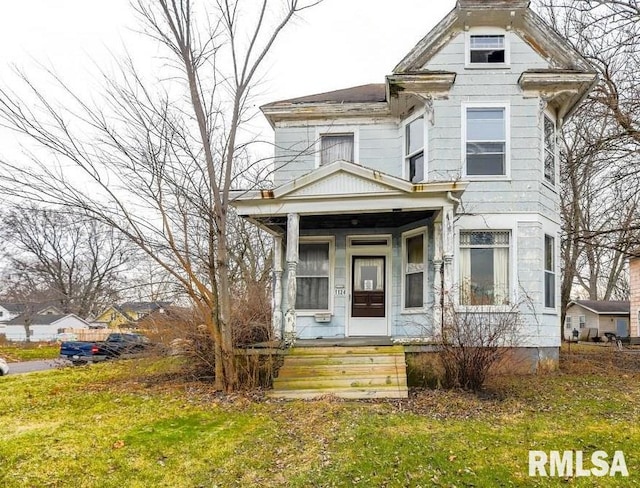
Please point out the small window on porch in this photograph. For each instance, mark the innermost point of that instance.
(336, 147)
(313, 276)
(414, 268)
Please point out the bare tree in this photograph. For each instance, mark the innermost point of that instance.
(599, 171)
(69, 259)
(163, 154)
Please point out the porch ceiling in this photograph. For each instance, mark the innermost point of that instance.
(377, 220)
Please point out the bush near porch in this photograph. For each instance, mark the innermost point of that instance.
(137, 424)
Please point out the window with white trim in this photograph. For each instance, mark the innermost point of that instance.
(487, 49)
(336, 147)
(486, 141)
(484, 268)
(549, 272)
(549, 150)
(567, 322)
(414, 246)
(414, 150)
(312, 277)
(582, 320)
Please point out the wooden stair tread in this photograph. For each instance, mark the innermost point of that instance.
(347, 372)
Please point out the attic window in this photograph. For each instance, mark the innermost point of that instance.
(336, 147)
(487, 49)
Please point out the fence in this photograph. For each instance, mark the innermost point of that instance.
(93, 334)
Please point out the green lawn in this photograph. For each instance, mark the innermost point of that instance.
(29, 352)
(127, 424)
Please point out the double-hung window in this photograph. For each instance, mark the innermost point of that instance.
(414, 150)
(336, 147)
(567, 322)
(582, 320)
(312, 277)
(549, 272)
(484, 268)
(549, 150)
(414, 269)
(487, 49)
(486, 141)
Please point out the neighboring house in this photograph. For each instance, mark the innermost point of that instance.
(442, 179)
(123, 315)
(634, 292)
(9, 311)
(42, 327)
(592, 318)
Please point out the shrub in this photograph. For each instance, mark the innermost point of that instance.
(472, 342)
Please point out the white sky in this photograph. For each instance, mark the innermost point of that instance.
(338, 44)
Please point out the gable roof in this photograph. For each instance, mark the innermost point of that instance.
(46, 319)
(515, 14)
(604, 307)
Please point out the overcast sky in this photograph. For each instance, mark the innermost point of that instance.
(338, 44)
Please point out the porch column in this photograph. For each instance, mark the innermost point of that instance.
(293, 229)
(447, 252)
(437, 276)
(276, 306)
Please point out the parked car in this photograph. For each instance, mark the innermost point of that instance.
(4, 367)
(116, 345)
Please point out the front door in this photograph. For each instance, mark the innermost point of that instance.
(622, 328)
(368, 296)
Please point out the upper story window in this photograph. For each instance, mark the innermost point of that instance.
(486, 141)
(549, 150)
(487, 49)
(414, 150)
(336, 147)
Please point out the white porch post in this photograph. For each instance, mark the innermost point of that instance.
(437, 276)
(276, 306)
(293, 229)
(447, 253)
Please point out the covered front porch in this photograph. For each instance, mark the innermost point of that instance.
(357, 253)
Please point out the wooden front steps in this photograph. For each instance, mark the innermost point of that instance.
(346, 372)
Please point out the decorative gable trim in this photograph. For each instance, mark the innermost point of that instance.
(367, 179)
(509, 15)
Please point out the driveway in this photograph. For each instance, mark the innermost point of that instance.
(41, 365)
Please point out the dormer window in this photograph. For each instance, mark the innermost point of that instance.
(414, 150)
(336, 147)
(487, 49)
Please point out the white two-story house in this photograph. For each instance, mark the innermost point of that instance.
(440, 181)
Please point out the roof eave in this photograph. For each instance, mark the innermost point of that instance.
(320, 110)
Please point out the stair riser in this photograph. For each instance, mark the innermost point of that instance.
(353, 394)
(375, 350)
(338, 360)
(315, 383)
(338, 371)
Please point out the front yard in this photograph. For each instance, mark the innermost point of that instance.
(130, 424)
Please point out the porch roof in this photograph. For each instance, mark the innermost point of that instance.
(354, 196)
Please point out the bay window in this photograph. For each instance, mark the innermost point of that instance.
(484, 268)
